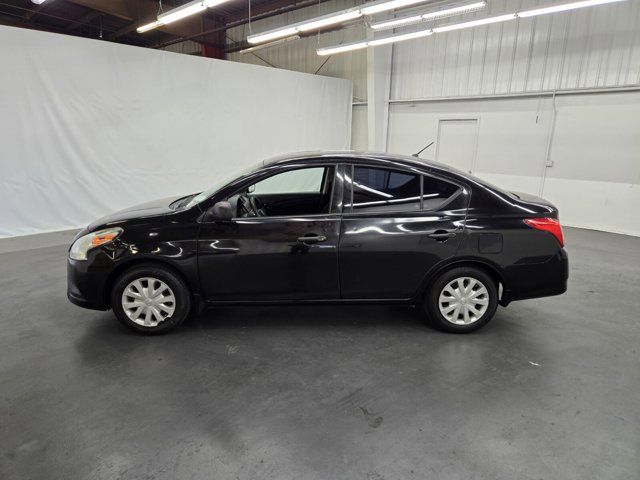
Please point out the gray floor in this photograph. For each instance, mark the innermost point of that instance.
(549, 390)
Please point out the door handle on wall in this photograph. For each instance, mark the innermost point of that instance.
(312, 239)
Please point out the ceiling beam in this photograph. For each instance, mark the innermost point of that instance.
(139, 12)
(123, 9)
(36, 9)
(86, 18)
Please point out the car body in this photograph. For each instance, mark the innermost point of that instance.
(357, 227)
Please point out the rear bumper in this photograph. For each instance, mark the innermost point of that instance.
(537, 279)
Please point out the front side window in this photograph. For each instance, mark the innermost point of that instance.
(302, 191)
(303, 180)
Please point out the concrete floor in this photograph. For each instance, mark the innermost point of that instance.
(550, 389)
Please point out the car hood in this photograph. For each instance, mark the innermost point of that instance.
(148, 209)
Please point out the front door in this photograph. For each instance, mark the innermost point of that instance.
(396, 226)
(282, 245)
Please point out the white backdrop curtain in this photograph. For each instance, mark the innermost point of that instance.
(88, 127)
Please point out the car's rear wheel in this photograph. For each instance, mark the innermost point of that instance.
(150, 299)
(462, 300)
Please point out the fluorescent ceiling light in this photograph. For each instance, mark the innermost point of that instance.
(186, 10)
(347, 47)
(457, 26)
(373, 43)
(272, 35)
(399, 38)
(306, 26)
(179, 13)
(330, 19)
(270, 44)
(475, 23)
(378, 7)
(148, 26)
(397, 22)
(564, 7)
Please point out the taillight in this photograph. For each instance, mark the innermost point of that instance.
(550, 225)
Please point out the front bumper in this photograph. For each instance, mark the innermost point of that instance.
(86, 283)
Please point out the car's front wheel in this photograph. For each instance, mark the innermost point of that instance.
(150, 299)
(462, 300)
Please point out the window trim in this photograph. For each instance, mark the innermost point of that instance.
(401, 168)
(297, 166)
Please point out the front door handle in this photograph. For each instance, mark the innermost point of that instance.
(442, 235)
(312, 239)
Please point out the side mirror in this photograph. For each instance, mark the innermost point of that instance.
(220, 212)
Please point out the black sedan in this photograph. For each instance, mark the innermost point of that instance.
(324, 227)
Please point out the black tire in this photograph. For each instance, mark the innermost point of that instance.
(182, 306)
(431, 300)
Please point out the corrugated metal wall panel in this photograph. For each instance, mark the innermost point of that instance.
(301, 55)
(188, 47)
(587, 48)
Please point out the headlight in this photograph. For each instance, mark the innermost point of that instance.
(82, 245)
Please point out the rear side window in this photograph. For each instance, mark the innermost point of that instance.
(436, 192)
(383, 190)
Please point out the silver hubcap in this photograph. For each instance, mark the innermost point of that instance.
(463, 301)
(148, 301)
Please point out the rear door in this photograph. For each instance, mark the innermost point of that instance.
(397, 224)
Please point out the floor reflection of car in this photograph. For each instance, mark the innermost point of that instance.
(324, 227)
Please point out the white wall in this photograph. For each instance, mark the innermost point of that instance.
(88, 127)
(359, 133)
(595, 150)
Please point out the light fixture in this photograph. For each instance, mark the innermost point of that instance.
(475, 23)
(399, 38)
(305, 26)
(148, 26)
(347, 47)
(564, 7)
(331, 19)
(270, 44)
(457, 26)
(398, 22)
(272, 35)
(186, 10)
(377, 7)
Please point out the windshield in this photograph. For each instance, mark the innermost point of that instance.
(225, 180)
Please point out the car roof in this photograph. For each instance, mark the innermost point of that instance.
(364, 157)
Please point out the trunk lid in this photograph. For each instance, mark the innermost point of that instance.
(537, 206)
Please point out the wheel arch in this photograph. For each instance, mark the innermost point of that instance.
(489, 268)
(136, 262)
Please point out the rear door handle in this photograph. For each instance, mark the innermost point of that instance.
(312, 239)
(442, 235)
